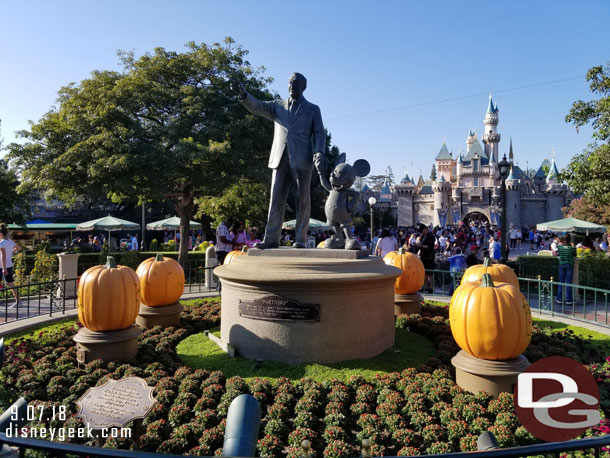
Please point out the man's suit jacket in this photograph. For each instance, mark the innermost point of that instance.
(292, 132)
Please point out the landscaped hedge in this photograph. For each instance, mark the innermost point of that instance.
(594, 269)
(132, 258)
(545, 266)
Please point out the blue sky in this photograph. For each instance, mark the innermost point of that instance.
(375, 68)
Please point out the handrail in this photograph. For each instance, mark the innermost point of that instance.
(595, 443)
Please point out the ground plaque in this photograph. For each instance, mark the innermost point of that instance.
(115, 403)
(278, 308)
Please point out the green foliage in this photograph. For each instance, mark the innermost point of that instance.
(433, 173)
(44, 264)
(166, 127)
(154, 245)
(20, 269)
(131, 259)
(532, 266)
(588, 173)
(246, 200)
(203, 246)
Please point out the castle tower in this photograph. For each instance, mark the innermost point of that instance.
(458, 168)
(441, 189)
(493, 169)
(404, 190)
(555, 194)
(513, 200)
(511, 157)
(491, 137)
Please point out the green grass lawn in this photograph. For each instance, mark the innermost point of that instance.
(411, 350)
(45, 329)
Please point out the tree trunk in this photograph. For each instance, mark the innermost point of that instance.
(185, 213)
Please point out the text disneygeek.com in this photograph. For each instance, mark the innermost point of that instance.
(62, 433)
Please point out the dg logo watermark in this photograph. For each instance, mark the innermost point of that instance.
(557, 399)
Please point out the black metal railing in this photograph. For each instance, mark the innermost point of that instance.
(57, 296)
(34, 299)
(594, 445)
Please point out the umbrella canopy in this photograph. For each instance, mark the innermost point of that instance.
(171, 224)
(571, 225)
(313, 224)
(107, 223)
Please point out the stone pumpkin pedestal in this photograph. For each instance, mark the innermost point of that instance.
(108, 299)
(302, 306)
(107, 345)
(160, 315)
(407, 304)
(476, 374)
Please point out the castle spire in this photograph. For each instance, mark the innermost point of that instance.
(510, 152)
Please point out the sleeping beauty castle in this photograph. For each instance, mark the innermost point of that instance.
(468, 187)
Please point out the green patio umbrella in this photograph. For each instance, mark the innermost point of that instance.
(171, 224)
(571, 225)
(108, 223)
(313, 224)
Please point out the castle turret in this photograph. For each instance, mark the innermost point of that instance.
(404, 190)
(555, 193)
(491, 137)
(513, 198)
(441, 189)
(458, 167)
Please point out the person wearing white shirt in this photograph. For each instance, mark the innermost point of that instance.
(7, 249)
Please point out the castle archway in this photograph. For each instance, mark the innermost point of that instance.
(476, 217)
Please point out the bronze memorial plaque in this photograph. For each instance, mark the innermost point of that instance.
(278, 308)
(115, 403)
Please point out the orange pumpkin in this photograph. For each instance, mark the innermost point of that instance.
(490, 321)
(499, 273)
(108, 297)
(413, 272)
(233, 254)
(161, 281)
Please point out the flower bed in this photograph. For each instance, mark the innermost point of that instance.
(418, 410)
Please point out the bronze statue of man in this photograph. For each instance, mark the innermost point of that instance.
(297, 121)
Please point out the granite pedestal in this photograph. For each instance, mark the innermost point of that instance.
(107, 345)
(407, 304)
(495, 377)
(161, 315)
(307, 305)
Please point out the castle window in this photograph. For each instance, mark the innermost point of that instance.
(475, 165)
(476, 181)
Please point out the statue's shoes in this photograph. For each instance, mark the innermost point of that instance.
(263, 245)
(298, 245)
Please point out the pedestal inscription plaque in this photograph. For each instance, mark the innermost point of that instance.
(278, 308)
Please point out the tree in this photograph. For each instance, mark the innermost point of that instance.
(581, 209)
(390, 175)
(375, 182)
(433, 173)
(166, 127)
(245, 201)
(14, 206)
(588, 172)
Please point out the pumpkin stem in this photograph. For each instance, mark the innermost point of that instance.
(487, 281)
(110, 263)
(159, 257)
(401, 250)
(487, 262)
(244, 249)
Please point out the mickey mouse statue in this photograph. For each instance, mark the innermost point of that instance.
(342, 202)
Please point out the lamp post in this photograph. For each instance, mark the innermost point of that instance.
(504, 167)
(372, 201)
